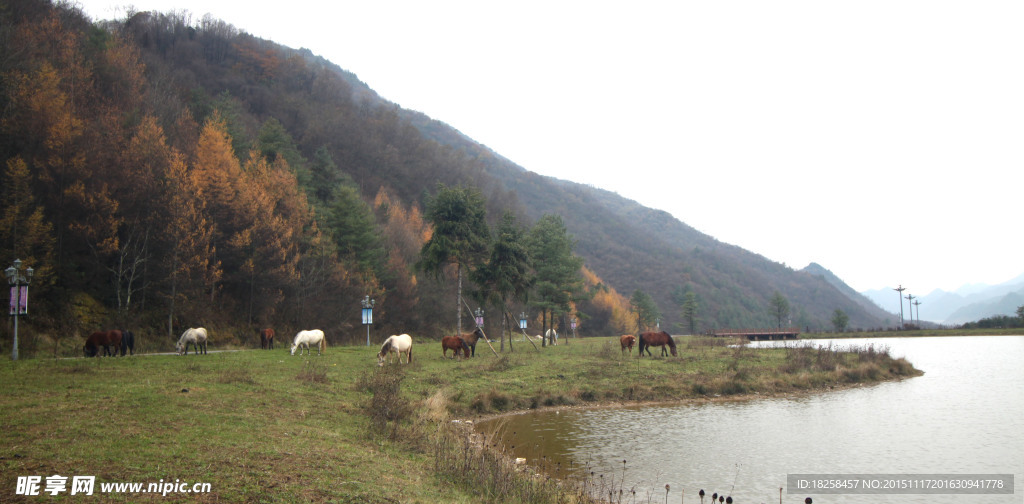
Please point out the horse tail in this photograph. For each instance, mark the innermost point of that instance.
(323, 343)
(410, 356)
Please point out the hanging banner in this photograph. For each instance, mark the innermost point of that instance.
(14, 301)
(23, 301)
(367, 316)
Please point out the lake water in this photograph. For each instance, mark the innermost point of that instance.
(964, 416)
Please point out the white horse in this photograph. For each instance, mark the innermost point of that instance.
(193, 335)
(306, 338)
(552, 336)
(400, 344)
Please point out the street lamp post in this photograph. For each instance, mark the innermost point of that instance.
(479, 314)
(367, 315)
(19, 296)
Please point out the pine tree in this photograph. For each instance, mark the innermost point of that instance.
(460, 235)
(557, 277)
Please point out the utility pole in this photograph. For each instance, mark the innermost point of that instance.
(900, 290)
(917, 304)
(910, 297)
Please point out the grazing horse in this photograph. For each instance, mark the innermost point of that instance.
(627, 341)
(455, 344)
(306, 338)
(401, 344)
(195, 336)
(552, 336)
(267, 339)
(649, 339)
(127, 342)
(471, 340)
(105, 339)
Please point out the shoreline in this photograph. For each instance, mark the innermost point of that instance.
(674, 402)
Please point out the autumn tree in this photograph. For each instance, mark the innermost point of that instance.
(268, 236)
(24, 231)
(189, 238)
(610, 310)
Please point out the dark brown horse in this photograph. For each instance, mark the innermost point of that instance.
(471, 340)
(627, 341)
(127, 342)
(105, 339)
(649, 339)
(455, 344)
(267, 339)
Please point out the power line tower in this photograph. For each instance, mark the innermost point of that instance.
(900, 290)
(910, 298)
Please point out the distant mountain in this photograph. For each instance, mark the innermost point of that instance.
(862, 300)
(967, 304)
(1006, 305)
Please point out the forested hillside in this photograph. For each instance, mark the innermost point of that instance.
(164, 172)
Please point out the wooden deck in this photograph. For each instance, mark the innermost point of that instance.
(757, 334)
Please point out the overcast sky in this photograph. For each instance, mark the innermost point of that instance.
(883, 140)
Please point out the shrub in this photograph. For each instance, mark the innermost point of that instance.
(387, 407)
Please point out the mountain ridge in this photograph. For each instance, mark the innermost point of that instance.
(966, 304)
(334, 130)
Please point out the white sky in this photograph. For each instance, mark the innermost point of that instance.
(883, 139)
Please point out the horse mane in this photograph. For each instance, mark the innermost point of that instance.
(671, 340)
(386, 347)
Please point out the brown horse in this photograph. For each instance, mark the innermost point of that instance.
(471, 340)
(106, 339)
(649, 339)
(627, 340)
(455, 344)
(267, 339)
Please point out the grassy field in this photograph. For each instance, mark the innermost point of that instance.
(264, 426)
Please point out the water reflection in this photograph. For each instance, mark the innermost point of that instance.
(965, 415)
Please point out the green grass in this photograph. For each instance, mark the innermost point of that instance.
(264, 426)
